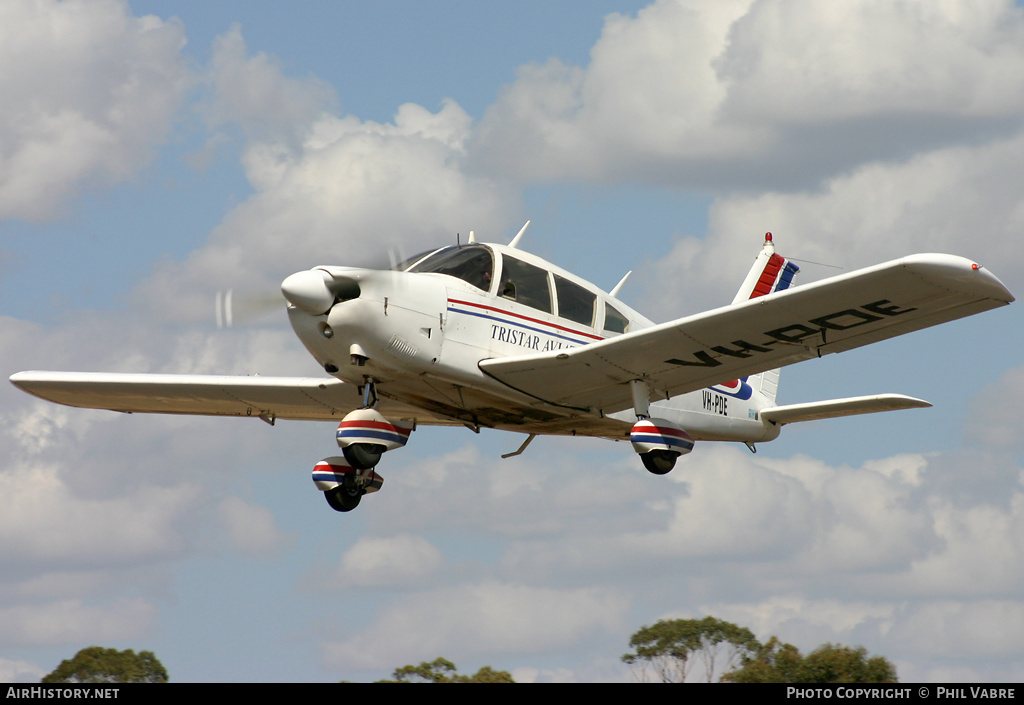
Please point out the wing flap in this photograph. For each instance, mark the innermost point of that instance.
(832, 315)
(834, 408)
(296, 398)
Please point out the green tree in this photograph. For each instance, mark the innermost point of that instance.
(833, 663)
(772, 662)
(776, 662)
(98, 665)
(441, 670)
(670, 648)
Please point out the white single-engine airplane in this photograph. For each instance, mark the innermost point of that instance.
(488, 336)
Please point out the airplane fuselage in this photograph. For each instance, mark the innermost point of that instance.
(420, 336)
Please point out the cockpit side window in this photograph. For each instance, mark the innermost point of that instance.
(613, 320)
(575, 302)
(473, 264)
(525, 284)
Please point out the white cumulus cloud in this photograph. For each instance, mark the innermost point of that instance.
(88, 91)
(384, 562)
(488, 617)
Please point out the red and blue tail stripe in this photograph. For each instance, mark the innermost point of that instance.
(777, 275)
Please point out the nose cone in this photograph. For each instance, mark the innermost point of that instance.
(309, 291)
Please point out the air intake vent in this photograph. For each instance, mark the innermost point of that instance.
(400, 348)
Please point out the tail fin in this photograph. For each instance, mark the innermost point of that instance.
(771, 272)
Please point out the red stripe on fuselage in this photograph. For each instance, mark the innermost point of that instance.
(525, 318)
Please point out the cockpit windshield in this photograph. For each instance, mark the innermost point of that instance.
(410, 261)
(470, 263)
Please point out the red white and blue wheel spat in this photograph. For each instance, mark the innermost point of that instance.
(659, 434)
(331, 472)
(369, 426)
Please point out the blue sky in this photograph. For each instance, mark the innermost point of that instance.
(158, 153)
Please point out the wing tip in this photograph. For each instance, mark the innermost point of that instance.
(974, 277)
(20, 379)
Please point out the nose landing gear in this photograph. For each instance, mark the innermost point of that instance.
(344, 497)
(364, 435)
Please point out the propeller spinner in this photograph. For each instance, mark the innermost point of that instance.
(315, 291)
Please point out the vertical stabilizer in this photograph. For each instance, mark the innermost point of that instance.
(771, 272)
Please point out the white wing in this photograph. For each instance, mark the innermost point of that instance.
(269, 398)
(832, 315)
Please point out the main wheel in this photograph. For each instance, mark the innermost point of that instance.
(343, 499)
(363, 456)
(659, 462)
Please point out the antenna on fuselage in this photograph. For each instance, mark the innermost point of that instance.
(517, 238)
(615, 289)
(472, 237)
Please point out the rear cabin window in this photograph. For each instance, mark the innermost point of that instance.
(525, 284)
(613, 320)
(473, 264)
(575, 302)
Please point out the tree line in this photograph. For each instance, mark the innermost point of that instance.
(671, 651)
(710, 649)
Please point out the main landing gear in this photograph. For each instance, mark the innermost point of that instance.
(343, 485)
(345, 497)
(659, 462)
(658, 442)
(364, 435)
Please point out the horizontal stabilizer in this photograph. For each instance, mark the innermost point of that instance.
(834, 408)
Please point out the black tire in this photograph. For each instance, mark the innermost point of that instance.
(342, 499)
(363, 456)
(659, 462)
